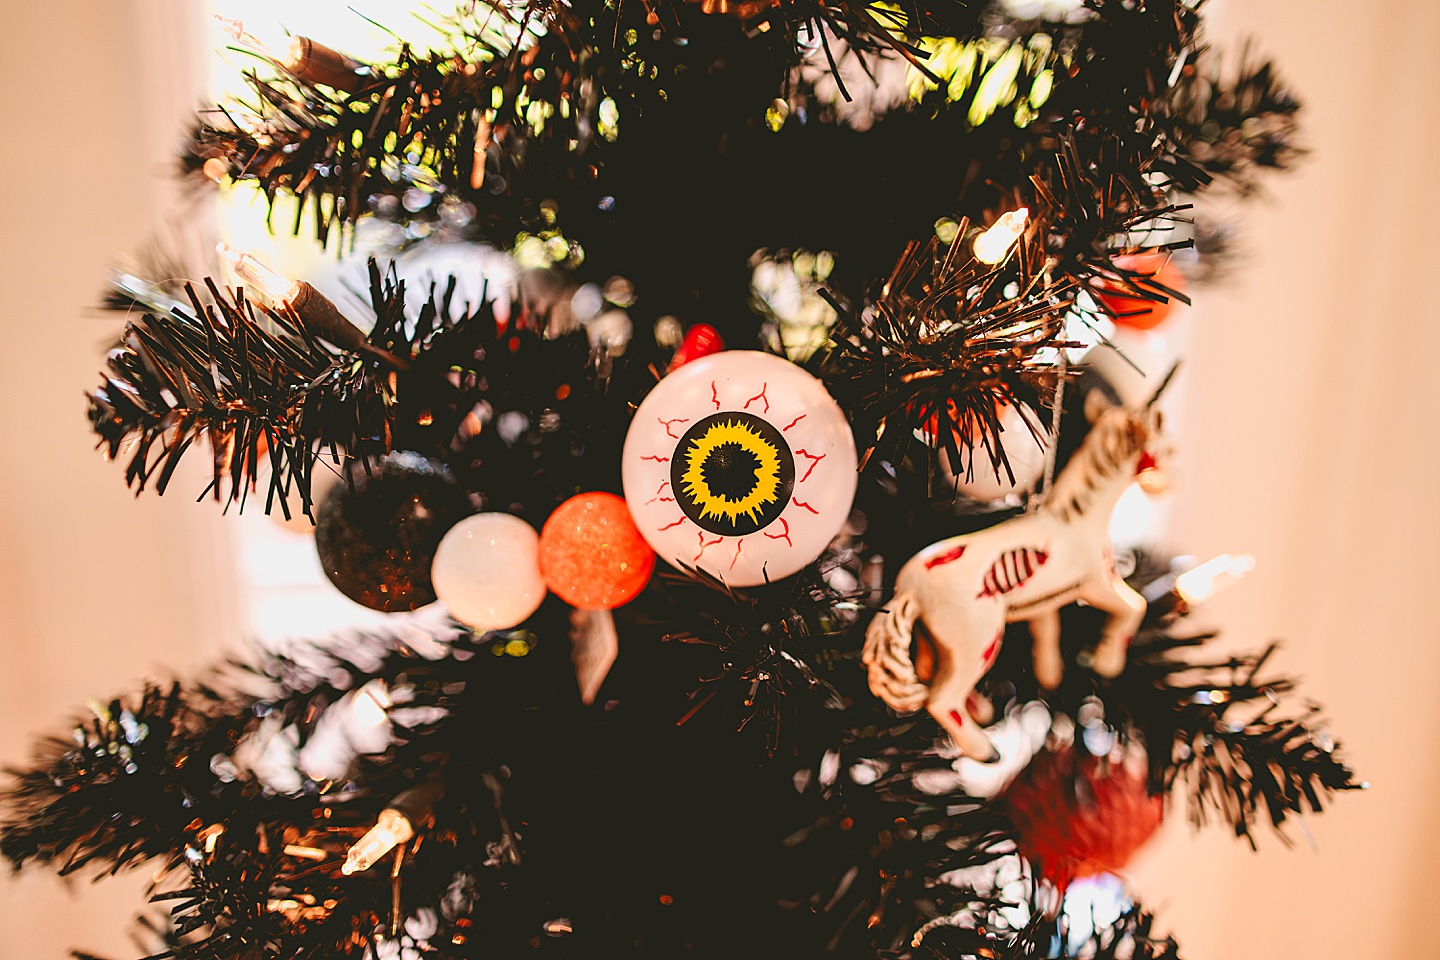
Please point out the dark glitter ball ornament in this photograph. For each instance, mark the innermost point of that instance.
(376, 540)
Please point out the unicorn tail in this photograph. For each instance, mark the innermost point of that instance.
(887, 655)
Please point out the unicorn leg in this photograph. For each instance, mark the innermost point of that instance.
(981, 708)
(1045, 631)
(953, 714)
(966, 650)
(1126, 609)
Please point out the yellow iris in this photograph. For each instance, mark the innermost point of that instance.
(767, 474)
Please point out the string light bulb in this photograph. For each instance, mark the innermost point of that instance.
(1150, 477)
(322, 318)
(371, 702)
(1201, 582)
(306, 60)
(395, 826)
(235, 30)
(316, 63)
(993, 245)
(215, 169)
(391, 829)
(258, 274)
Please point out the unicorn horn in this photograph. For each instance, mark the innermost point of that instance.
(1155, 397)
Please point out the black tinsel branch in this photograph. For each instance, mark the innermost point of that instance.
(258, 391)
(1220, 730)
(514, 84)
(253, 895)
(867, 28)
(1101, 68)
(1131, 936)
(349, 659)
(414, 654)
(1236, 750)
(509, 110)
(129, 782)
(872, 864)
(144, 773)
(1135, 75)
(872, 858)
(153, 279)
(1232, 127)
(949, 340)
(1105, 194)
(767, 643)
(250, 845)
(277, 892)
(265, 391)
(509, 126)
(906, 873)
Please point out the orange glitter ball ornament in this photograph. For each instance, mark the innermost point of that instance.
(591, 554)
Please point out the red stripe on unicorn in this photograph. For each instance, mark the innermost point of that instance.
(1012, 571)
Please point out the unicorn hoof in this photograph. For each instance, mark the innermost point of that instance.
(1107, 664)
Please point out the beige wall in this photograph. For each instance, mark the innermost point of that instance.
(97, 587)
(1310, 442)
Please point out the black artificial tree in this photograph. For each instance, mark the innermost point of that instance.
(734, 787)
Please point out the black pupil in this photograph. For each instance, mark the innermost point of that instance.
(730, 471)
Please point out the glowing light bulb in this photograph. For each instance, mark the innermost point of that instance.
(210, 836)
(299, 50)
(305, 59)
(258, 274)
(370, 704)
(994, 244)
(391, 829)
(235, 30)
(216, 169)
(1199, 583)
(321, 317)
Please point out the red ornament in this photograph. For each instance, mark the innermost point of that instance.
(591, 554)
(1077, 817)
(1137, 312)
(701, 341)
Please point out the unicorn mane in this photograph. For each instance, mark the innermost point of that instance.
(1115, 441)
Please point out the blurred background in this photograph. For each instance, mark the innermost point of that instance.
(1309, 441)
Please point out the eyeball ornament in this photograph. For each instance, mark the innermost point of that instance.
(739, 464)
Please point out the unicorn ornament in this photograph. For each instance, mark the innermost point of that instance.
(954, 597)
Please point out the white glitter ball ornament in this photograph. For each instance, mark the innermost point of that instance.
(487, 571)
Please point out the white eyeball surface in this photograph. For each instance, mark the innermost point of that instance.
(739, 464)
